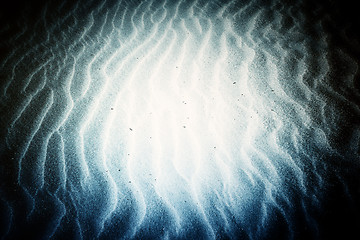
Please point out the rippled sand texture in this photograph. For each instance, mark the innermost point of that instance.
(176, 120)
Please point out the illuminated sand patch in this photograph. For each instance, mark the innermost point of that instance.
(172, 119)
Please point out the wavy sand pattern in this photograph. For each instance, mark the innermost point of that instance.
(176, 120)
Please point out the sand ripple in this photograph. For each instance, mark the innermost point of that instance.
(176, 119)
